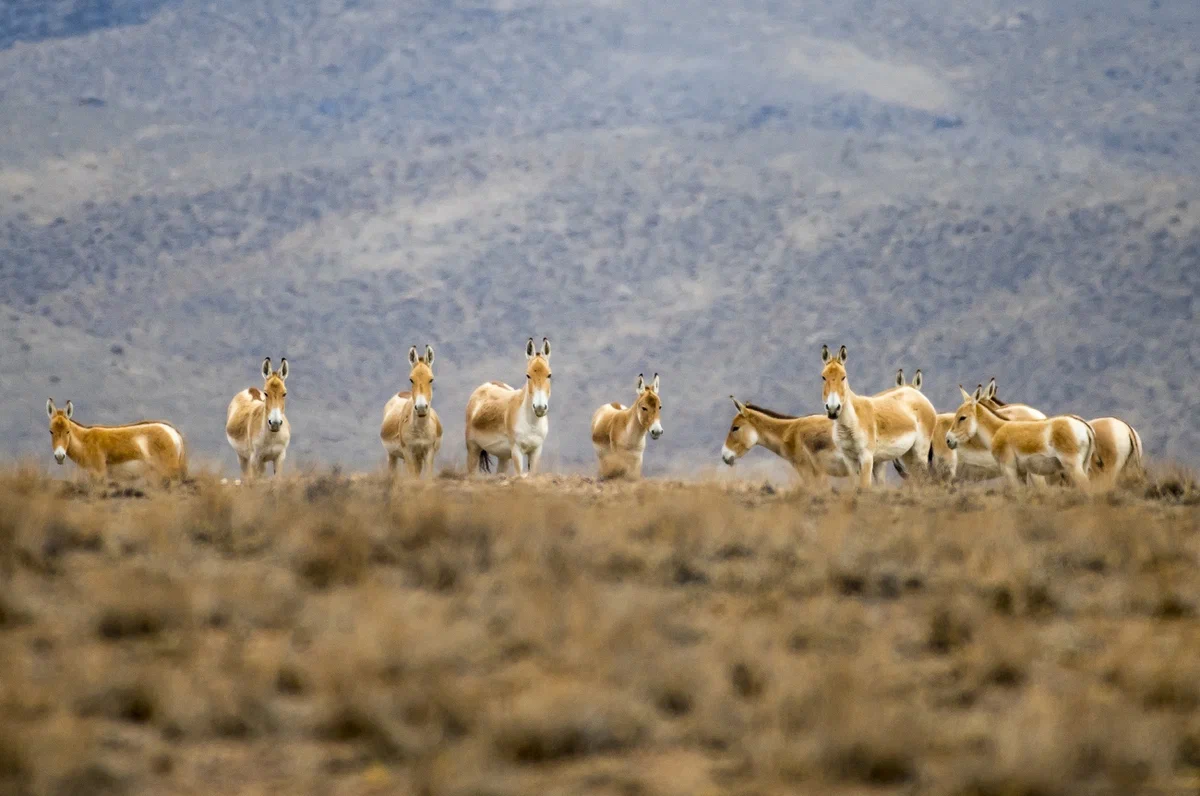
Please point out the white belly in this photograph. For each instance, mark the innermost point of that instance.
(1041, 464)
(886, 450)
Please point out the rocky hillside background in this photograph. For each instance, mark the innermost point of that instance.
(706, 190)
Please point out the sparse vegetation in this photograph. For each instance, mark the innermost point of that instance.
(565, 634)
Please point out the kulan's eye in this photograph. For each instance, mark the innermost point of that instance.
(735, 428)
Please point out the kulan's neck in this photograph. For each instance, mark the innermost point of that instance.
(770, 432)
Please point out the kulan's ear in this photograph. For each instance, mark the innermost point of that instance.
(842, 354)
(824, 353)
(283, 368)
(546, 347)
(991, 389)
(966, 396)
(741, 407)
(529, 349)
(654, 384)
(412, 355)
(70, 410)
(641, 384)
(428, 354)
(266, 368)
(49, 407)
(978, 396)
(900, 377)
(918, 380)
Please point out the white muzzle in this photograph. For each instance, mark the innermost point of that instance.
(833, 406)
(728, 456)
(541, 403)
(60, 454)
(656, 430)
(275, 419)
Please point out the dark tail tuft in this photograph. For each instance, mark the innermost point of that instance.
(485, 462)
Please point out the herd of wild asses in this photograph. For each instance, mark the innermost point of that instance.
(856, 437)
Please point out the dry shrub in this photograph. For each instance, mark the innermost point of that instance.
(951, 626)
(12, 612)
(1171, 483)
(1061, 738)
(138, 603)
(16, 769)
(434, 545)
(1161, 670)
(396, 723)
(331, 550)
(559, 721)
(836, 724)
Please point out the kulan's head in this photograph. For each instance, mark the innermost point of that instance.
(60, 428)
(742, 435)
(649, 406)
(537, 375)
(421, 379)
(275, 392)
(833, 378)
(965, 424)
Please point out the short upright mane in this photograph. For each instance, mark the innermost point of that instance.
(770, 412)
(130, 425)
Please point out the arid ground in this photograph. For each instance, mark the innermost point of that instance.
(336, 635)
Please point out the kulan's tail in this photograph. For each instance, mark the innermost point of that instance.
(485, 462)
(1092, 459)
(183, 461)
(1135, 441)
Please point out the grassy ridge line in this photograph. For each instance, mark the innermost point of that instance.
(560, 635)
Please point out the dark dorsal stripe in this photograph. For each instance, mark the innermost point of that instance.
(770, 412)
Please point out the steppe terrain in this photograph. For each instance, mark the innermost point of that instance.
(707, 190)
(329, 634)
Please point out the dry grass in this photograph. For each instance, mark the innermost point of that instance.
(339, 635)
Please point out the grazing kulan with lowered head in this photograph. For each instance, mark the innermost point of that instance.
(511, 423)
(155, 445)
(619, 433)
(256, 423)
(411, 430)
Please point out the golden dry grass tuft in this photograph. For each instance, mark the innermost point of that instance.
(343, 634)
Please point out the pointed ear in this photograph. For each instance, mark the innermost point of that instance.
(529, 349)
(741, 407)
(428, 354)
(70, 410)
(49, 407)
(966, 396)
(824, 353)
(991, 389)
(412, 356)
(842, 354)
(918, 380)
(641, 384)
(654, 384)
(283, 368)
(978, 396)
(546, 347)
(900, 377)
(266, 368)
